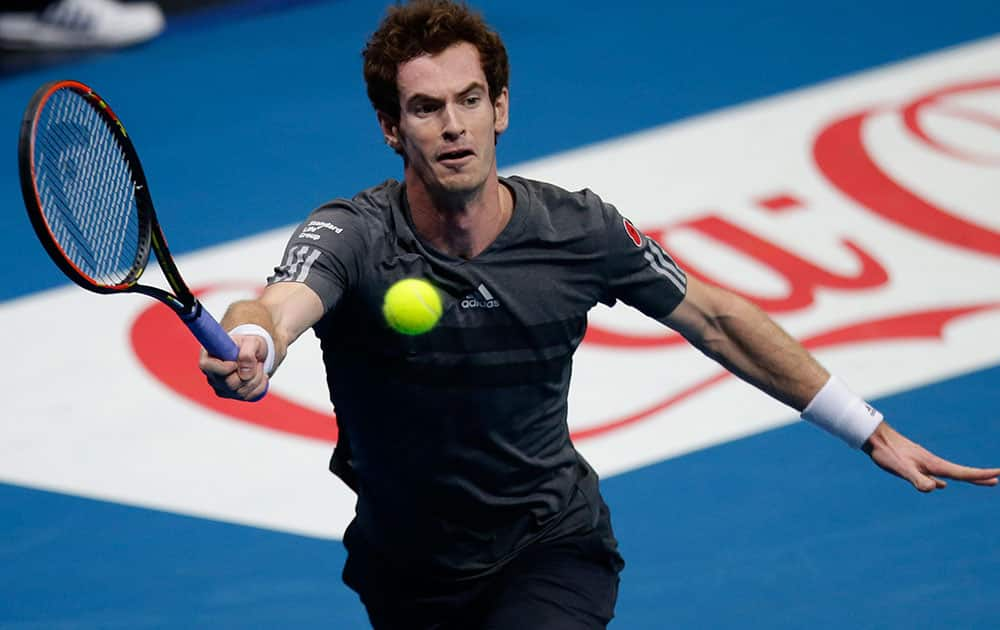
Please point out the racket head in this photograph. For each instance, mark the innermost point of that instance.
(84, 188)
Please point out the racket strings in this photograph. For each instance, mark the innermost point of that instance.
(86, 190)
(93, 241)
(107, 190)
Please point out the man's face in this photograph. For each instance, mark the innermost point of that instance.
(447, 124)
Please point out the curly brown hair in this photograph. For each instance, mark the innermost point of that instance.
(422, 27)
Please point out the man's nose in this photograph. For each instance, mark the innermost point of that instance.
(453, 126)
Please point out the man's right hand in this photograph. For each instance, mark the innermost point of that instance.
(284, 310)
(242, 379)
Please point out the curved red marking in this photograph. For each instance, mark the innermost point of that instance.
(840, 154)
(911, 118)
(601, 429)
(803, 277)
(919, 325)
(600, 336)
(779, 203)
(167, 349)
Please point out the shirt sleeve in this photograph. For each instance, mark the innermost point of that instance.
(324, 252)
(639, 271)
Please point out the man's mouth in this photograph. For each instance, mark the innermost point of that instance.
(458, 155)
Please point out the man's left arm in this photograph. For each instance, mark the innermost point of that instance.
(748, 343)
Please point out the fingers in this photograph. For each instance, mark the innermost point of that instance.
(918, 474)
(248, 363)
(212, 366)
(926, 471)
(979, 476)
(234, 386)
(242, 379)
(926, 483)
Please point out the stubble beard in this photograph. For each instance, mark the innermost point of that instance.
(462, 186)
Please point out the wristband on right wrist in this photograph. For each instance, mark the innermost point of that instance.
(260, 331)
(841, 412)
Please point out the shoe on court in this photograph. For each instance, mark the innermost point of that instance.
(81, 24)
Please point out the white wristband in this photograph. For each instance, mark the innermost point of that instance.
(254, 329)
(838, 410)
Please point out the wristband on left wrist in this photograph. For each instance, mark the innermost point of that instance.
(841, 412)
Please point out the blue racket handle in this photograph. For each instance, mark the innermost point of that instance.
(214, 339)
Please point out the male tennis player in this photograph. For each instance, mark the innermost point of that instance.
(474, 509)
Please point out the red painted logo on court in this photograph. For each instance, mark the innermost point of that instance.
(938, 125)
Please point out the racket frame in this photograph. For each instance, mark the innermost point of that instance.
(151, 237)
(182, 301)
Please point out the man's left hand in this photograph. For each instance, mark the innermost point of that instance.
(897, 454)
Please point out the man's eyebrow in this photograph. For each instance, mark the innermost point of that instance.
(475, 85)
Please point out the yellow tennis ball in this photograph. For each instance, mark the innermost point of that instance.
(412, 306)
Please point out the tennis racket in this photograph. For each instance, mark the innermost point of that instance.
(90, 205)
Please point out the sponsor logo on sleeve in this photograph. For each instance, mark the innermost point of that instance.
(312, 230)
(297, 264)
(633, 232)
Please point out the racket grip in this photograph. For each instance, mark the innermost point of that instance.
(211, 335)
(214, 338)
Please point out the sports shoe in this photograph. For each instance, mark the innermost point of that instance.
(81, 24)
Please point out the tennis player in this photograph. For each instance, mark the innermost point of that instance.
(474, 509)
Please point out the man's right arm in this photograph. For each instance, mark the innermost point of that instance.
(284, 310)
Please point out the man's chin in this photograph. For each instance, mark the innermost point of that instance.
(461, 184)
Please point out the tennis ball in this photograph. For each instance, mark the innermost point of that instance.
(412, 306)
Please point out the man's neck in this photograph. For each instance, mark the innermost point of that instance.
(458, 225)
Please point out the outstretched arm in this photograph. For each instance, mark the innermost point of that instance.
(283, 311)
(748, 343)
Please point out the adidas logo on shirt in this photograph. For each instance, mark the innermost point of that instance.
(480, 298)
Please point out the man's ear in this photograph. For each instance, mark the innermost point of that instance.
(390, 130)
(501, 111)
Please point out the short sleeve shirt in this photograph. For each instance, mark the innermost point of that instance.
(462, 432)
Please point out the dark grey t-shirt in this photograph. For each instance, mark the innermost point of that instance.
(456, 440)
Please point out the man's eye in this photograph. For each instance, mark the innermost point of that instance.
(422, 109)
(472, 101)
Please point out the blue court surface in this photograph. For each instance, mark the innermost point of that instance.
(743, 133)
